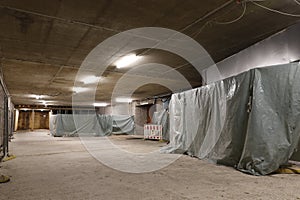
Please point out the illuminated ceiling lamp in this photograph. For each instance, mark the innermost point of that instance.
(123, 100)
(79, 89)
(91, 79)
(127, 60)
(24, 109)
(100, 104)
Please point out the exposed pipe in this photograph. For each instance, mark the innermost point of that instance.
(207, 15)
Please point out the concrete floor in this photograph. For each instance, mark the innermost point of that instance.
(61, 168)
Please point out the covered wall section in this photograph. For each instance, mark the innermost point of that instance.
(91, 125)
(249, 121)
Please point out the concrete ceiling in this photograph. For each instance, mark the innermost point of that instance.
(43, 43)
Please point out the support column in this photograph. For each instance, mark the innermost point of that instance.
(50, 114)
(16, 120)
(31, 121)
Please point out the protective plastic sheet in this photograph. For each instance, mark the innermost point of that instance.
(247, 121)
(104, 125)
(93, 125)
(273, 126)
(52, 124)
(162, 118)
(123, 124)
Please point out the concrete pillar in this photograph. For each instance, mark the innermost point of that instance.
(31, 121)
(50, 114)
(16, 119)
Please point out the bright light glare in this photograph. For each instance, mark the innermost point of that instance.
(123, 100)
(25, 109)
(100, 104)
(127, 60)
(79, 89)
(91, 79)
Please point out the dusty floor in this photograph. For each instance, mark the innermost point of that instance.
(61, 168)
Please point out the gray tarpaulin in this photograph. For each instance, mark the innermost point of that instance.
(123, 124)
(52, 124)
(95, 125)
(248, 121)
(162, 118)
(104, 125)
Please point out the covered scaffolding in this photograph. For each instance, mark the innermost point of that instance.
(91, 125)
(250, 121)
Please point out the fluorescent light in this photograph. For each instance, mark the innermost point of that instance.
(144, 103)
(25, 109)
(79, 89)
(36, 96)
(100, 104)
(123, 100)
(91, 79)
(127, 60)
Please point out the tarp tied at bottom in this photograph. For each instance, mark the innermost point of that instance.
(92, 125)
(247, 121)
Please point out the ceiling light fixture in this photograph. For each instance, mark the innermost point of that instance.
(24, 109)
(91, 79)
(100, 104)
(45, 110)
(123, 100)
(127, 60)
(79, 89)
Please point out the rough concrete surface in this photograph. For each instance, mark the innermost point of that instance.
(43, 43)
(61, 168)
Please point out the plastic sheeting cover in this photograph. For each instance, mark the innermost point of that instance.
(123, 124)
(162, 118)
(94, 125)
(247, 121)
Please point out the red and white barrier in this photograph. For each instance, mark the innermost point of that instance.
(153, 131)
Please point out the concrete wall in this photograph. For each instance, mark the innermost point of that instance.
(142, 114)
(281, 48)
(120, 109)
(140, 118)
